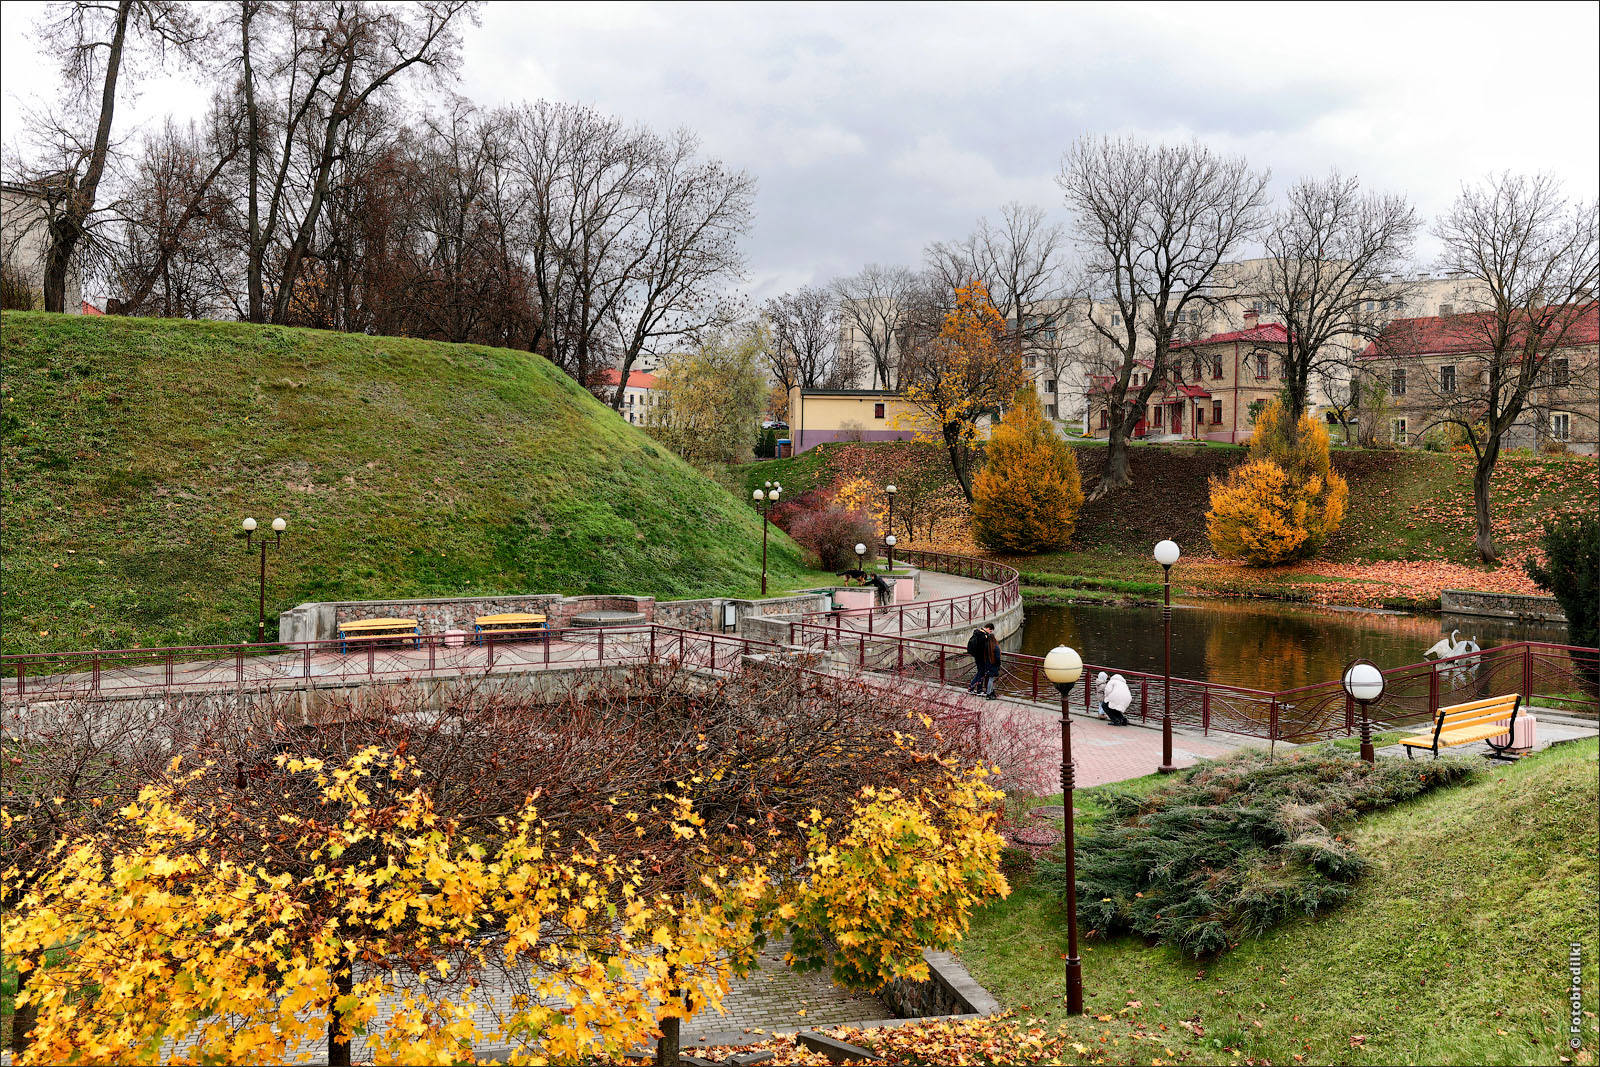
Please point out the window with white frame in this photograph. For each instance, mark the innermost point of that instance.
(1560, 426)
(1447, 378)
(1397, 431)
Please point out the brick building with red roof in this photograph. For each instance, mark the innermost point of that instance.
(1211, 387)
(1429, 370)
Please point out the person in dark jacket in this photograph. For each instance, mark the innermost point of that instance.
(984, 648)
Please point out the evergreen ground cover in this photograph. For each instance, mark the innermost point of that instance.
(1453, 949)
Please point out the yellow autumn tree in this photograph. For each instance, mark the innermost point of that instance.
(1286, 502)
(1027, 497)
(954, 380)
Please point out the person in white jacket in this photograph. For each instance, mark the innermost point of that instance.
(1114, 698)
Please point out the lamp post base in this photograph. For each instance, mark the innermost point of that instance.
(1074, 985)
(1166, 768)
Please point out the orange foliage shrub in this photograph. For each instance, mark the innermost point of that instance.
(1027, 497)
(1285, 503)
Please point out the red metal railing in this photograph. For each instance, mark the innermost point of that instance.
(928, 616)
(1413, 694)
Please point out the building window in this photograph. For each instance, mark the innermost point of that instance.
(1397, 431)
(877, 411)
(1050, 409)
(1216, 366)
(1116, 320)
(1556, 372)
(1397, 382)
(1447, 379)
(1447, 309)
(1050, 386)
(1262, 365)
(1105, 418)
(1160, 414)
(1216, 412)
(1560, 426)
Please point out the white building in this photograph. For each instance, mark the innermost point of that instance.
(24, 240)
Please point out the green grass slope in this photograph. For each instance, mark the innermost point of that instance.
(133, 448)
(1453, 951)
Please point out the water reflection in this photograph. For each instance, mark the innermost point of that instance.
(1261, 644)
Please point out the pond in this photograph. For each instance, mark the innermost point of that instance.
(1262, 644)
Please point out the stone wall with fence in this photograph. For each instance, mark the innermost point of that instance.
(1501, 605)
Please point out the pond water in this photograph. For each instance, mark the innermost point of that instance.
(1263, 644)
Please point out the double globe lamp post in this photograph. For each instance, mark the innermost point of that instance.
(1063, 667)
(890, 491)
(766, 498)
(278, 526)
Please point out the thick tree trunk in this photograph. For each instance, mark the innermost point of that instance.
(68, 228)
(1117, 474)
(1483, 539)
(959, 466)
(23, 1018)
(338, 1044)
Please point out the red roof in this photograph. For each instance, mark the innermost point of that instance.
(636, 379)
(1271, 333)
(1465, 333)
(90, 309)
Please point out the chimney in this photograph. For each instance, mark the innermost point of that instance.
(1252, 319)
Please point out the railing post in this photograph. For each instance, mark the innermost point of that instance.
(1144, 699)
(603, 647)
(680, 646)
(1272, 727)
(167, 672)
(1035, 681)
(653, 640)
(433, 653)
(1527, 673)
(1433, 694)
(871, 614)
(238, 668)
(863, 657)
(1205, 709)
(941, 666)
(22, 673)
(305, 664)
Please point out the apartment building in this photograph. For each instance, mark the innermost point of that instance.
(639, 396)
(1429, 369)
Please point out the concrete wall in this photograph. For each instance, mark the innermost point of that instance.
(1501, 605)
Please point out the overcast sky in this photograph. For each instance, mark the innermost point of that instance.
(875, 129)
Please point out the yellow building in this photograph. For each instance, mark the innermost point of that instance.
(820, 416)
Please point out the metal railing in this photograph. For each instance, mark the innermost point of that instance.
(1413, 694)
(928, 616)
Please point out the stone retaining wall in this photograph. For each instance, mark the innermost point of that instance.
(949, 990)
(1501, 605)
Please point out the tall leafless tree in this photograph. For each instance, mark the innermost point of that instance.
(1536, 259)
(1333, 271)
(1153, 224)
(874, 305)
(804, 348)
(97, 44)
(1020, 259)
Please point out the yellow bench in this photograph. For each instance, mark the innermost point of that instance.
(1477, 720)
(378, 630)
(511, 624)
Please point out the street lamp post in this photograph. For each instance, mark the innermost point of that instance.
(861, 556)
(890, 491)
(1364, 683)
(1063, 666)
(278, 526)
(765, 498)
(1166, 555)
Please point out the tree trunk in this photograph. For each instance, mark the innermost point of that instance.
(68, 228)
(1483, 539)
(959, 466)
(338, 1044)
(1116, 474)
(23, 1017)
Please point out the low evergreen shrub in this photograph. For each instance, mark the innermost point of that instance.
(1234, 847)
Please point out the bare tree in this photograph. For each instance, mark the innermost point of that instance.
(1154, 224)
(1536, 258)
(1334, 257)
(95, 42)
(1020, 260)
(173, 209)
(875, 305)
(804, 349)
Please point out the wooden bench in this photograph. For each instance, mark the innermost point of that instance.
(511, 625)
(1476, 720)
(378, 630)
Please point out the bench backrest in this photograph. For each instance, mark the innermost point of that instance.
(1479, 712)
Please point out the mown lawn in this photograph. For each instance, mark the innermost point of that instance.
(132, 449)
(1454, 951)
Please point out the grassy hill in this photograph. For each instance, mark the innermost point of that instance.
(133, 448)
(1454, 950)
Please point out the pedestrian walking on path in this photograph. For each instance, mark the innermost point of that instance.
(984, 648)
